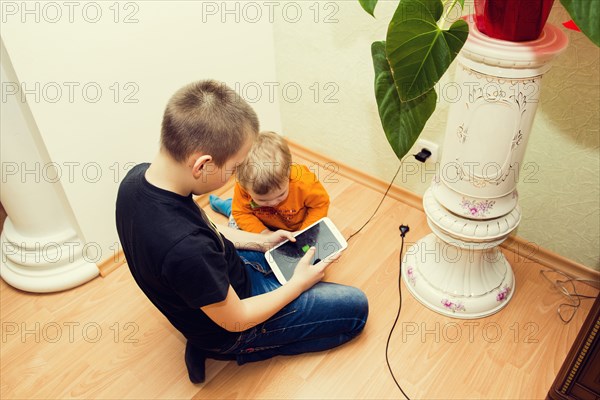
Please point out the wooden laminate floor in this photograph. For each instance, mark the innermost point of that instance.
(105, 340)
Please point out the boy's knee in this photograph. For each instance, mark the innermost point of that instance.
(361, 305)
(356, 305)
(347, 301)
(346, 294)
(360, 301)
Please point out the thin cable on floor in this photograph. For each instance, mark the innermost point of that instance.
(387, 345)
(566, 311)
(382, 199)
(422, 157)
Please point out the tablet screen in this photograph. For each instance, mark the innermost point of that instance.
(289, 254)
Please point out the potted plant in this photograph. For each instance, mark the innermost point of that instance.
(419, 48)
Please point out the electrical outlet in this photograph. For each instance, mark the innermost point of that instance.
(421, 144)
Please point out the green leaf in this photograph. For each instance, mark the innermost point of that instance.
(419, 52)
(586, 14)
(402, 122)
(368, 6)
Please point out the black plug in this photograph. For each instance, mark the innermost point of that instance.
(404, 230)
(423, 155)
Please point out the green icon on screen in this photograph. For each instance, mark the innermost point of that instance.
(305, 248)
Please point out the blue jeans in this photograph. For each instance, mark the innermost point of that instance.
(325, 316)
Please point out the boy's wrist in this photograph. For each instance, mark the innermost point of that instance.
(265, 241)
(295, 286)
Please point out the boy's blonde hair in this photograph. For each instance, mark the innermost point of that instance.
(207, 116)
(267, 166)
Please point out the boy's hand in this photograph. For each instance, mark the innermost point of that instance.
(271, 239)
(306, 274)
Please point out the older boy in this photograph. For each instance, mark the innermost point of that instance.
(225, 303)
(273, 193)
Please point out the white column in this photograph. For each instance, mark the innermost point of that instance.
(42, 250)
(471, 206)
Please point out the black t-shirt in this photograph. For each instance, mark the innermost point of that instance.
(178, 260)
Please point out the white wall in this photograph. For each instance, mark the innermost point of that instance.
(318, 71)
(137, 54)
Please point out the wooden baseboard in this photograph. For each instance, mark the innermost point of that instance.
(550, 259)
(109, 265)
(358, 176)
(518, 245)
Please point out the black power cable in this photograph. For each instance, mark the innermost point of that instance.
(403, 230)
(380, 203)
(422, 156)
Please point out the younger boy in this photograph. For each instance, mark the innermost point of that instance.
(218, 294)
(272, 193)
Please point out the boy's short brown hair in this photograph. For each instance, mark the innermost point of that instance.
(207, 116)
(267, 165)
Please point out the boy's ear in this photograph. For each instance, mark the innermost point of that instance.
(198, 163)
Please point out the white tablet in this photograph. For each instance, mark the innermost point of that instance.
(323, 235)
